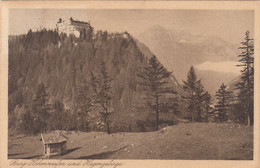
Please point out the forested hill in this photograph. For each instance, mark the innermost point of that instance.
(61, 63)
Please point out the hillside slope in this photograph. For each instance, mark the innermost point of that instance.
(62, 62)
(199, 141)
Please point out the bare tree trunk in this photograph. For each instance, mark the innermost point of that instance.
(44, 124)
(157, 113)
(248, 108)
(250, 116)
(82, 123)
(250, 111)
(249, 95)
(248, 120)
(108, 129)
(192, 101)
(106, 119)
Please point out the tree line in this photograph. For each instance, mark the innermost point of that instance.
(54, 57)
(95, 94)
(42, 116)
(228, 106)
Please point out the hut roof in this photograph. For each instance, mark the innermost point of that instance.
(51, 138)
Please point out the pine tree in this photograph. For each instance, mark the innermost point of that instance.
(200, 98)
(223, 106)
(246, 87)
(83, 103)
(103, 93)
(88, 34)
(154, 82)
(207, 109)
(29, 37)
(203, 99)
(197, 98)
(40, 109)
(26, 121)
(190, 87)
(57, 115)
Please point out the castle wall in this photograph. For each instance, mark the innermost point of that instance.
(72, 27)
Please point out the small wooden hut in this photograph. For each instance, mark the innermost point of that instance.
(54, 144)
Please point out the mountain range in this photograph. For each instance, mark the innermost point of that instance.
(178, 50)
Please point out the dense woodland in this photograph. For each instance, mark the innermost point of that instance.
(106, 82)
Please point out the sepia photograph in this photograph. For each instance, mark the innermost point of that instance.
(130, 84)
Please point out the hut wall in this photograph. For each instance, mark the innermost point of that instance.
(48, 150)
(63, 147)
(55, 148)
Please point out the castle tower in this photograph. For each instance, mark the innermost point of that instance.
(72, 26)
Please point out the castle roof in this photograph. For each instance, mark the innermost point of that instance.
(74, 21)
(77, 21)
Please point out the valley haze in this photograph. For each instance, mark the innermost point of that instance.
(130, 84)
(177, 37)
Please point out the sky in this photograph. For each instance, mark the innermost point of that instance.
(230, 25)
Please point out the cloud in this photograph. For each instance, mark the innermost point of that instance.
(225, 67)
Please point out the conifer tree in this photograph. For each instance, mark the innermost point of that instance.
(190, 87)
(198, 99)
(207, 109)
(40, 109)
(103, 93)
(223, 106)
(57, 115)
(246, 87)
(29, 37)
(26, 122)
(83, 103)
(88, 34)
(154, 82)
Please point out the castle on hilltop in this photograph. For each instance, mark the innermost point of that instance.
(76, 27)
(72, 26)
